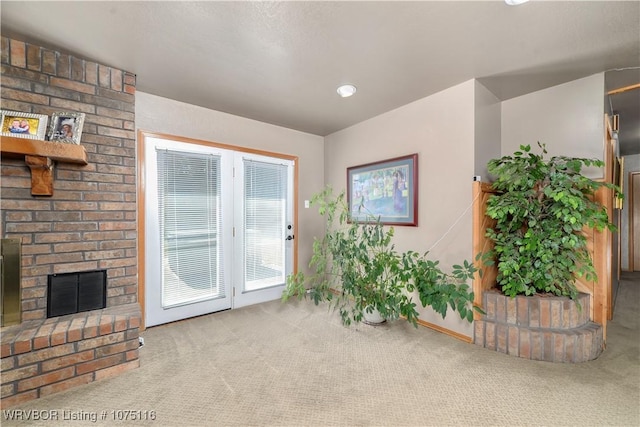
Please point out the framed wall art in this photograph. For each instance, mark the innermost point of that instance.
(387, 190)
(24, 125)
(66, 127)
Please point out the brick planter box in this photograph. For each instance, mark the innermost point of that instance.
(553, 329)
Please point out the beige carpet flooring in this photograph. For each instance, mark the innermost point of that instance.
(294, 364)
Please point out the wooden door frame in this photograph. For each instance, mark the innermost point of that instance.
(603, 241)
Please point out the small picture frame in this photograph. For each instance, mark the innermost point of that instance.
(24, 125)
(386, 190)
(66, 127)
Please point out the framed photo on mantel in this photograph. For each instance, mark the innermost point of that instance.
(387, 190)
(66, 127)
(24, 125)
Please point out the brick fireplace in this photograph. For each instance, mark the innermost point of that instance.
(88, 224)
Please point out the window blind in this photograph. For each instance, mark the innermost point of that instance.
(265, 190)
(189, 208)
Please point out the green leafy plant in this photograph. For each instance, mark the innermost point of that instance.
(541, 208)
(356, 269)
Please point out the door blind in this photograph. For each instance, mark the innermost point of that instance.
(265, 190)
(189, 208)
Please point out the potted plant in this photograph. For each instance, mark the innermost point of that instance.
(540, 208)
(357, 270)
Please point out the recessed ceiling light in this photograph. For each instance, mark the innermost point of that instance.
(515, 2)
(346, 90)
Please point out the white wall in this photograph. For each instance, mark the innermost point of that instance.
(162, 115)
(440, 128)
(631, 164)
(568, 118)
(487, 129)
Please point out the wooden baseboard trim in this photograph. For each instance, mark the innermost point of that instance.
(446, 331)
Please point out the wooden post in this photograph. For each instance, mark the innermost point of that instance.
(481, 244)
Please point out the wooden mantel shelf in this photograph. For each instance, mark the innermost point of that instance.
(58, 151)
(39, 156)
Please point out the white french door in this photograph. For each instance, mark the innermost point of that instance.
(263, 226)
(216, 228)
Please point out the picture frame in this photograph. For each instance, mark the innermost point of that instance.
(23, 125)
(386, 190)
(66, 127)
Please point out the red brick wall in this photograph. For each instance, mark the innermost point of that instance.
(90, 221)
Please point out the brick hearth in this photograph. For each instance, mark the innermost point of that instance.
(41, 357)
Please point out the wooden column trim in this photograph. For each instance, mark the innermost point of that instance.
(482, 244)
(478, 240)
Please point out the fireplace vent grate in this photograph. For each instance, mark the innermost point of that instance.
(70, 293)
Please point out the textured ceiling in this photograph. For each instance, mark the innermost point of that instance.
(281, 62)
